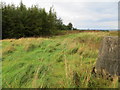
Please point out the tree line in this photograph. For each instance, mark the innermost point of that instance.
(21, 21)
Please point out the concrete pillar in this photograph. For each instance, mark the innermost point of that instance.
(108, 61)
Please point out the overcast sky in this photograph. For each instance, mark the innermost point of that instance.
(82, 14)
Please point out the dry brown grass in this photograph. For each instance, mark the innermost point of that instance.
(8, 49)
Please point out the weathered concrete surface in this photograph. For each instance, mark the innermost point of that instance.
(109, 56)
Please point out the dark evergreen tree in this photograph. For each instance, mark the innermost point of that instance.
(70, 26)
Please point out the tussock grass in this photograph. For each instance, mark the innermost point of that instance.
(57, 62)
(29, 47)
(8, 50)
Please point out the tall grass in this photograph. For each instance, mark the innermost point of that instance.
(57, 62)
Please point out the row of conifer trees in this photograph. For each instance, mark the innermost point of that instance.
(21, 21)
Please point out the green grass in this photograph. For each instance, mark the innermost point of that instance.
(57, 62)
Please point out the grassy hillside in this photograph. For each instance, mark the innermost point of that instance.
(56, 62)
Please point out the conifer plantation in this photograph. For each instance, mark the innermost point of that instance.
(22, 21)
